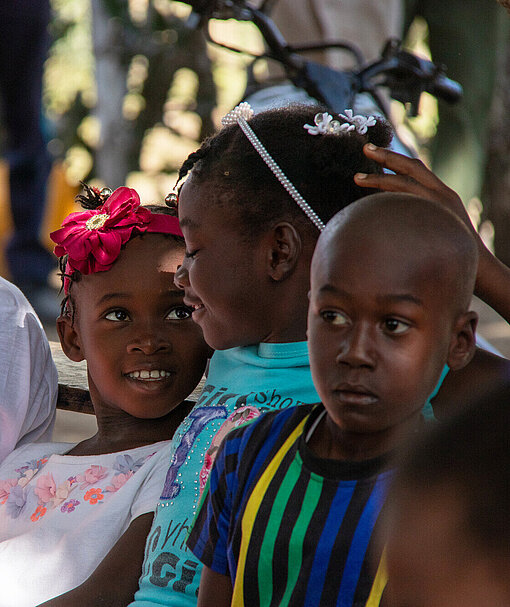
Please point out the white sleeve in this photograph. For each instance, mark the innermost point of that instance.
(28, 377)
(150, 489)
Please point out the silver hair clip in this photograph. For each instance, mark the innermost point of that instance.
(240, 115)
(326, 125)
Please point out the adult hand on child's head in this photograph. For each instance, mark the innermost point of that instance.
(412, 177)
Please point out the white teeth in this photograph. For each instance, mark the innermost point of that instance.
(144, 374)
(158, 374)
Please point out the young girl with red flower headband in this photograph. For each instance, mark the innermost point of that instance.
(70, 511)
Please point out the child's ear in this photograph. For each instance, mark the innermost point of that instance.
(285, 246)
(69, 339)
(463, 342)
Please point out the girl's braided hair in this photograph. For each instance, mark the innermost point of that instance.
(90, 199)
(321, 167)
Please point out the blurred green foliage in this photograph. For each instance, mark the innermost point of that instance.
(177, 87)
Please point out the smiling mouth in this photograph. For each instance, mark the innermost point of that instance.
(193, 305)
(150, 376)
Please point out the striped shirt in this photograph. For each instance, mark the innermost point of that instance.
(288, 527)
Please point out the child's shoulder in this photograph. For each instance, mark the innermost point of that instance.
(40, 451)
(31, 453)
(270, 422)
(32, 449)
(86, 453)
(266, 433)
(12, 297)
(152, 452)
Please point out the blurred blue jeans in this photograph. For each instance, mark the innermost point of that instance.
(24, 44)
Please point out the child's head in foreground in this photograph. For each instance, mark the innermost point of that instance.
(248, 242)
(122, 312)
(448, 524)
(391, 283)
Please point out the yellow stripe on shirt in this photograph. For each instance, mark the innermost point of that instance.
(252, 508)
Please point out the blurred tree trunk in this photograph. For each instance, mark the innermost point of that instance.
(112, 63)
(116, 40)
(496, 193)
(189, 51)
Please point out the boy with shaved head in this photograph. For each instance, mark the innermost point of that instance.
(295, 498)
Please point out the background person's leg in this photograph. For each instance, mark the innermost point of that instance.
(23, 48)
(365, 23)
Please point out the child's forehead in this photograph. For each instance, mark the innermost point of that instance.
(213, 218)
(151, 258)
(150, 249)
(370, 251)
(200, 201)
(363, 269)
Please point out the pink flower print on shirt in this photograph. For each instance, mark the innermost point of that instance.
(40, 511)
(16, 501)
(5, 488)
(69, 506)
(93, 496)
(34, 465)
(237, 418)
(206, 469)
(27, 477)
(46, 488)
(91, 476)
(62, 493)
(118, 481)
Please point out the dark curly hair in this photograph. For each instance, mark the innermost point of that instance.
(321, 167)
(92, 198)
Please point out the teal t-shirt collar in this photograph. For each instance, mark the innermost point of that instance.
(428, 411)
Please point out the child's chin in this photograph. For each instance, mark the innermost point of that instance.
(157, 413)
(153, 386)
(219, 342)
(224, 341)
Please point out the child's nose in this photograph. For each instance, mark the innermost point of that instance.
(149, 342)
(181, 278)
(357, 347)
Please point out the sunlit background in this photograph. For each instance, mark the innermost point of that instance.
(130, 90)
(162, 89)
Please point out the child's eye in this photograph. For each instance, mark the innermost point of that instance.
(179, 313)
(191, 254)
(395, 326)
(335, 318)
(117, 315)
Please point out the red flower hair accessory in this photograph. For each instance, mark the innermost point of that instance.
(93, 239)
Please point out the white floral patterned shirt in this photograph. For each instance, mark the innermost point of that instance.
(61, 514)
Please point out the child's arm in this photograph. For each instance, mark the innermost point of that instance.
(115, 580)
(215, 589)
(486, 371)
(413, 177)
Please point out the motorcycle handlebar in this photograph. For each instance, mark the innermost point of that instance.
(220, 9)
(445, 88)
(399, 67)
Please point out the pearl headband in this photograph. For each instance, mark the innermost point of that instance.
(240, 115)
